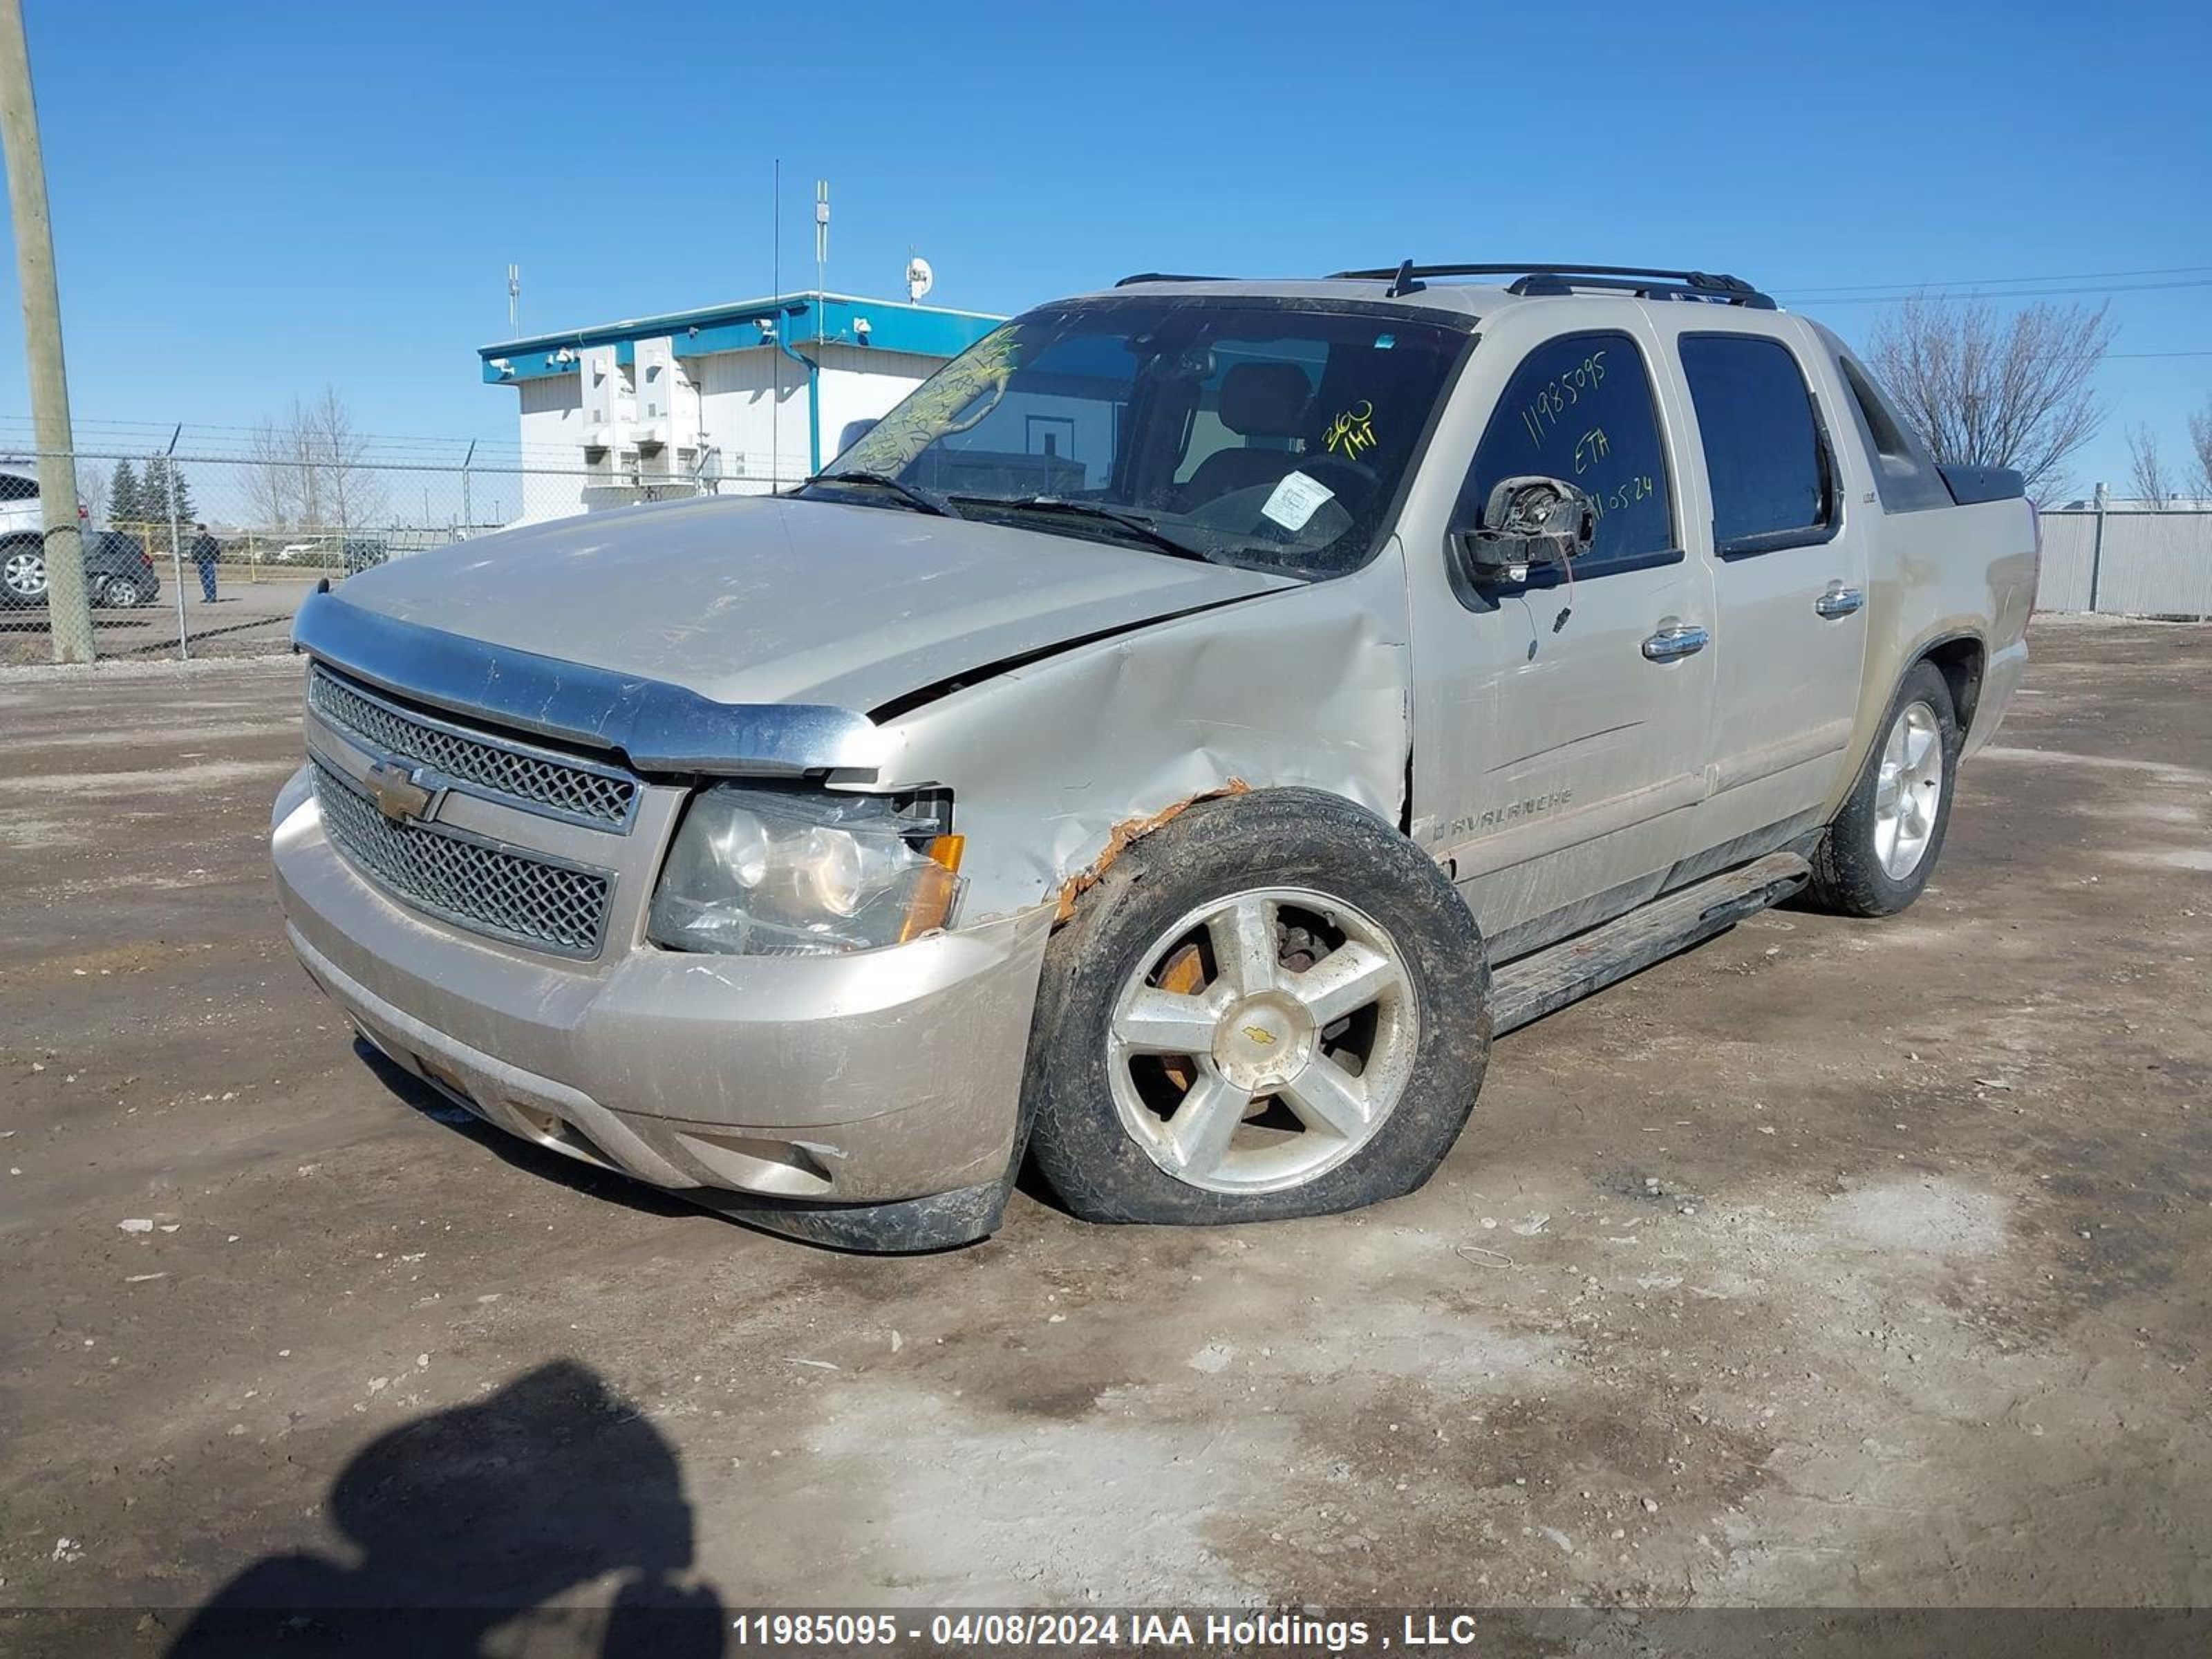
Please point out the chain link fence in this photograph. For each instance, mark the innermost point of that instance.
(205, 542)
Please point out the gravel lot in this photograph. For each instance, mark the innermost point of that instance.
(1833, 1263)
(251, 617)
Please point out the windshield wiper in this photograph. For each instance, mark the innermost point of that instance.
(929, 500)
(1134, 523)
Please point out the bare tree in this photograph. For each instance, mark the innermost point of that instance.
(272, 477)
(309, 470)
(2145, 469)
(92, 490)
(2200, 441)
(353, 494)
(1987, 390)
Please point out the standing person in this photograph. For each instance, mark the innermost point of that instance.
(204, 552)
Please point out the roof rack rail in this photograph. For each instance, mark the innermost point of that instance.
(1645, 282)
(1143, 276)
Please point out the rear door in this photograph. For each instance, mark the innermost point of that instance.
(1772, 515)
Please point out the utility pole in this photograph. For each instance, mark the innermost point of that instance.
(68, 618)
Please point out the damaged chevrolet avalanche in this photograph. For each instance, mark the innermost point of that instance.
(1167, 748)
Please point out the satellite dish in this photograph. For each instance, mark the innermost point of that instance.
(920, 278)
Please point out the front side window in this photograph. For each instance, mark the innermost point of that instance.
(1766, 455)
(18, 486)
(1579, 409)
(1271, 435)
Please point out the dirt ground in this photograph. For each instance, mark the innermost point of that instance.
(1833, 1263)
(251, 617)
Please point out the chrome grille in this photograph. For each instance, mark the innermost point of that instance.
(491, 890)
(536, 780)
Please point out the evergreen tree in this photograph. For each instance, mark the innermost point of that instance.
(153, 503)
(184, 509)
(153, 498)
(125, 507)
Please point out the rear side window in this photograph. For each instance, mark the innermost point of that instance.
(1765, 454)
(15, 487)
(1579, 408)
(1904, 475)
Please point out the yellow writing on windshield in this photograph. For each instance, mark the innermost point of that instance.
(1351, 433)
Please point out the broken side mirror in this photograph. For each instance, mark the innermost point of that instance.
(1527, 521)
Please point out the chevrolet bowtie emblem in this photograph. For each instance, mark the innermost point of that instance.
(1260, 1034)
(397, 794)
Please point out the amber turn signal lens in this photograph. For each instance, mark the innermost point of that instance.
(930, 903)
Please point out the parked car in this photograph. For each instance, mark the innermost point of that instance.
(298, 553)
(360, 553)
(22, 544)
(1393, 659)
(118, 572)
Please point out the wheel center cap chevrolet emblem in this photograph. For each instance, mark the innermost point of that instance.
(398, 795)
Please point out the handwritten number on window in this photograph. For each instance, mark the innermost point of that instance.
(1561, 393)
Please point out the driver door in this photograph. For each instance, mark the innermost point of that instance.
(1560, 752)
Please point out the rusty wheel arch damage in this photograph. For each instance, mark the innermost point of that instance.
(1124, 835)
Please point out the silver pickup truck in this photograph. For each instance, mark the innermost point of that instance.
(1167, 748)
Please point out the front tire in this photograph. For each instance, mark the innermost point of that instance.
(1273, 1006)
(121, 593)
(1880, 849)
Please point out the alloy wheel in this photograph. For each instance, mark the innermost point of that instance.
(25, 574)
(1262, 1040)
(1908, 790)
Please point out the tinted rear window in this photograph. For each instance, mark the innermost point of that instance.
(15, 487)
(1764, 452)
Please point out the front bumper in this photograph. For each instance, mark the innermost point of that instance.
(808, 1083)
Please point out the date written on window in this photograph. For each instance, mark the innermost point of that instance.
(1627, 493)
(1561, 393)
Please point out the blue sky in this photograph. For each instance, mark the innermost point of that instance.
(252, 200)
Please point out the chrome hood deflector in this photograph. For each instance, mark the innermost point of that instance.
(658, 728)
(728, 635)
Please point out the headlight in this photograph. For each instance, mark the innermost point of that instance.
(761, 872)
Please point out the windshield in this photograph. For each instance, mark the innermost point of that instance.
(1272, 435)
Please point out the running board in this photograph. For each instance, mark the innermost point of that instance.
(1548, 980)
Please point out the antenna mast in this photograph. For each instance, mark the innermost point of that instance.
(514, 302)
(820, 247)
(774, 358)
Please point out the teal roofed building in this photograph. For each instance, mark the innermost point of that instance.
(738, 398)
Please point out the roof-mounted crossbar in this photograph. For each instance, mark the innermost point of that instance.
(1144, 277)
(1645, 282)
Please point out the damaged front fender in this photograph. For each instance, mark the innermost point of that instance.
(1056, 766)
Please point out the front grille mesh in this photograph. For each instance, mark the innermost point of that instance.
(490, 889)
(528, 780)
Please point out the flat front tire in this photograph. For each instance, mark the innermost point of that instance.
(1273, 1006)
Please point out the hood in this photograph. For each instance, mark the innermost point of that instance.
(767, 601)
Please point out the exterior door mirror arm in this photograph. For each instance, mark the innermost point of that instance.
(1527, 521)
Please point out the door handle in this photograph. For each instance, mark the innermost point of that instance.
(1676, 639)
(1838, 601)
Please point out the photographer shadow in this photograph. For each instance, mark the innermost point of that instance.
(475, 1518)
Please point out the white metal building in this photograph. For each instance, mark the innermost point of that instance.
(736, 398)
